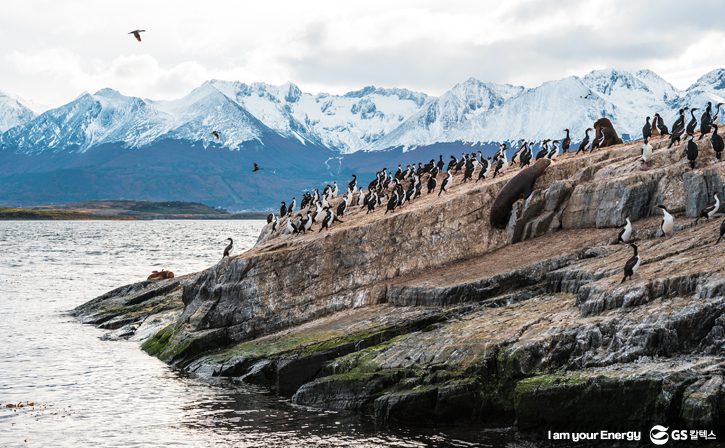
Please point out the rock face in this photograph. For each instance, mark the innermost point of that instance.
(430, 314)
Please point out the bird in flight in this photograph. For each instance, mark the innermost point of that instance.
(216, 135)
(137, 34)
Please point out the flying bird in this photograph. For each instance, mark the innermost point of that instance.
(137, 34)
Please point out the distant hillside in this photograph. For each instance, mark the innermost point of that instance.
(202, 147)
(124, 210)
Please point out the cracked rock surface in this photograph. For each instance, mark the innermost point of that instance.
(430, 315)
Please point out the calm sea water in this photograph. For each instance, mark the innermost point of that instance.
(91, 392)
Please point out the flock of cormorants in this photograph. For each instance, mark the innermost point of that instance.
(394, 190)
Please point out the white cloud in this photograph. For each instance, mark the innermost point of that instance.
(52, 51)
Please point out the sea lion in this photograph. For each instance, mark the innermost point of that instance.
(520, 186)
(604, 127)
(160, 275)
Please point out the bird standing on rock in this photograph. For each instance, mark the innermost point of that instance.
(446, 181)
(716, 117)
(647, 130)
(283, 210)
(692, 150)
(632, 265)
(544, 151)
(431, 183)
(646, 154)
(678, 128)
(717, 143)
(668, 221)
(583, 145)
(709, 211)
(692, 124)
(228, 249)
(705, 121)
(661, 126)
(722, 231)
(566, 142)
(626, 233)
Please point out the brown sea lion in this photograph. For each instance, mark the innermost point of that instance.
(520, 186)
(604, 127)
(160, 275)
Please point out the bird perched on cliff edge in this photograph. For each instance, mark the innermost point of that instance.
(709, 211)
(717, 143)
(647, 130)
(632, 265)
(661, 126)
(678, 128)
(446, 182)
(566, 142)
(228, 248)
(646, 154)
(706, 121)
(692, 150)
(626, 233)
(668, 221)
(583, 145)
(722, 231)
(692, 124)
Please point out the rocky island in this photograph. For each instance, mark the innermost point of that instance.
(430, 314)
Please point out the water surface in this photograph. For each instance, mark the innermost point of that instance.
(111, 394)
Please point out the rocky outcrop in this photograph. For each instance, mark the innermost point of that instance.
(429, 314)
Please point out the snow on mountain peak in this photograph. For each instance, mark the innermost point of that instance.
(371, 118)
(712, 81)
(13, 112)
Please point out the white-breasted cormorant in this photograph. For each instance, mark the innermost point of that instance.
(668, 221)
(709, 211)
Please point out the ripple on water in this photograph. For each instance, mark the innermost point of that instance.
(92, 392)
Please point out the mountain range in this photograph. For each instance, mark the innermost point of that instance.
(108, 145)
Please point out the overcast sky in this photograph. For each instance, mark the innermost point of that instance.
(51, 51)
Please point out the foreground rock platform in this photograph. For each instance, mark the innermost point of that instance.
(429, 314)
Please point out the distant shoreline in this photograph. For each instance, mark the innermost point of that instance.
(124, 210)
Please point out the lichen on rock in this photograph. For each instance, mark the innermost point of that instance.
(430, 314)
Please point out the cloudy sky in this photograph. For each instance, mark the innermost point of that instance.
(51, 51)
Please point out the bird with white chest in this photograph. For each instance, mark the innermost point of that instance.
(625, 235)
(632, 265)
(709, 211)
(668, 221)
(646, 154)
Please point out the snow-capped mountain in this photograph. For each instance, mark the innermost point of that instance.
(346, 123)
(368, 119)
(13, 112)
(205, 110)
(458, 114)
(709, 87)
(89, 120)
(108, 145)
